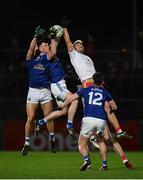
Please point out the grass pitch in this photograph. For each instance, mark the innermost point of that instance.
(65, 165)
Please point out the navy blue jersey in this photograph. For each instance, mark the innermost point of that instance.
(94, 101)
(38, 71)
(56, 71)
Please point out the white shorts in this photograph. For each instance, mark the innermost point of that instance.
(89, 124)
(36, 95)
(59, 91)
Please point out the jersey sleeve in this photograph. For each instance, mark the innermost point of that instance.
(108, 96)
(72, 53)
(81, 92)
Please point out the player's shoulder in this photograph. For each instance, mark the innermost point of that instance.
(89, 88)
(106, 91)
(71, 51)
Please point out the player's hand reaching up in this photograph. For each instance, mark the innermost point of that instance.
(39, 31)
(52, 33)
(65, 21)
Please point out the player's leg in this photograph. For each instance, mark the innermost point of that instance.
(93, 140)
(31, 111)
(103, 153)
(87, 128)
(61, 93)
(47, 109)
(71, 114)
(89, 124)
(118, 149)
(114, 121)
(84, 151)
(100, 128)
(53, 115)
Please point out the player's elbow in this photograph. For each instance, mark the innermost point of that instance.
(114, 107)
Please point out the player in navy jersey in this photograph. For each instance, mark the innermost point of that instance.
(96, 98)
(95, 107)
(39, 87)
(61, 93)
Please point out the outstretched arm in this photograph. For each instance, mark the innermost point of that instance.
(53, 51)
(64, 23)
(38, 32)
(54, 42)
(67, 39)
(31, 50)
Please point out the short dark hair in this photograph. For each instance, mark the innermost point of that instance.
(98, 78)
(39, 42)
(43, 38)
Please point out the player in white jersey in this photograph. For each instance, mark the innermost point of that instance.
(85, 69)
(82, 63)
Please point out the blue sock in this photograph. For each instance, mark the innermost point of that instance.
(41, 122)
(69, 124)
(51, 137)
(86, 158)
(27, 141)
(104, 163)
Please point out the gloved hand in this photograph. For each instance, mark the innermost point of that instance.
(39, 31)
(52, 33)
(65, 22)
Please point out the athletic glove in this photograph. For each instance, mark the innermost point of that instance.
(52, 33)
(65, 22)
(39, 31)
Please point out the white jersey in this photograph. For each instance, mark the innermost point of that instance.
(82, 64)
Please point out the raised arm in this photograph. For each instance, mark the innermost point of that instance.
(31, 50)
(64, 23)
(67, 39)
(53, 49)
(38, 32)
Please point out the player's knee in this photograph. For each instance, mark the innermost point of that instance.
(75, 103)
(106, 136)
(30, 120)
(79, 147)
(63, 111)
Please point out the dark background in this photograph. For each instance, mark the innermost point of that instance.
(106, 20)
(110, 22)
(112, 32)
